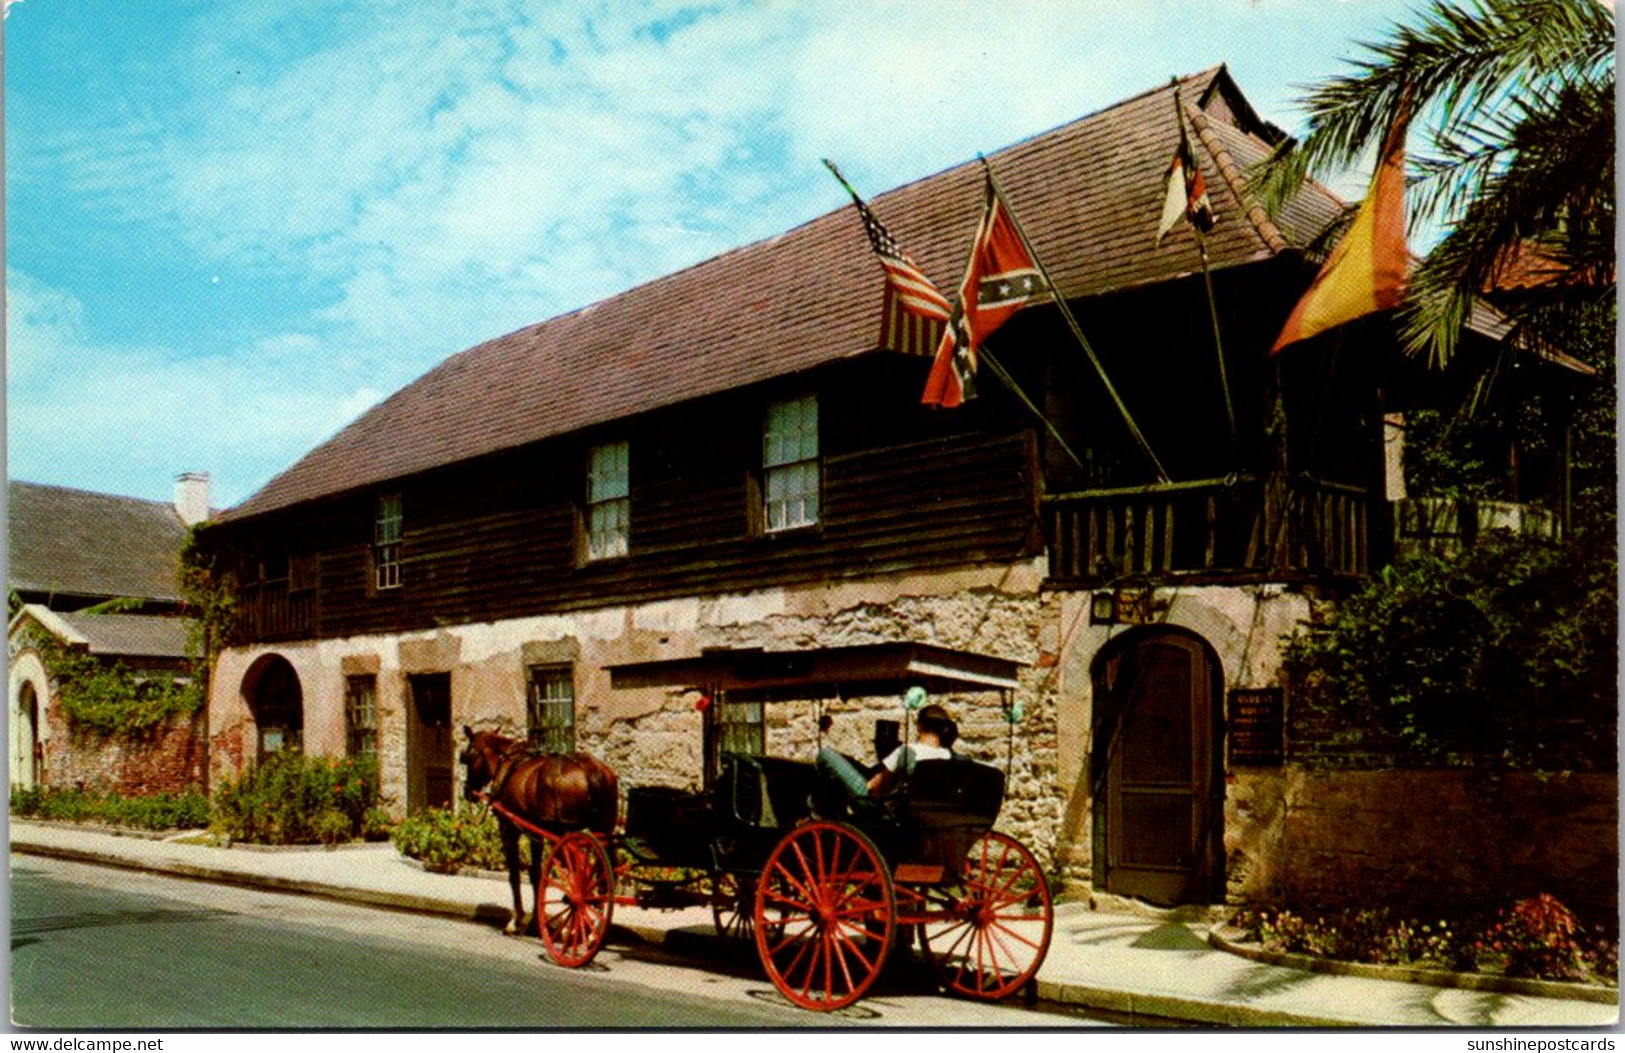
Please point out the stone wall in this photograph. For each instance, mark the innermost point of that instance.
(170, 758)
(1448, 840)
(653, 736)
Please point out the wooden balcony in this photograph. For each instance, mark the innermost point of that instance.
(269, 610)
(1241, 528)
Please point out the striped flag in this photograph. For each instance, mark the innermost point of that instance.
(1186, 193)
(912, 312)
(1002, 278)
(1366, 271)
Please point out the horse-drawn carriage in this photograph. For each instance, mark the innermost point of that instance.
(825, 884)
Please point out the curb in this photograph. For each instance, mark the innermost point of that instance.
(489, 914)
(1408, 974)
(1183, 1009)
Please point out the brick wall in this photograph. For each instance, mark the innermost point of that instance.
(171, 758)
(1449, 840)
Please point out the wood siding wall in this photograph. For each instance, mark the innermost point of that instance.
(903, 489)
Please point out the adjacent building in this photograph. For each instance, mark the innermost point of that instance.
(97, 574)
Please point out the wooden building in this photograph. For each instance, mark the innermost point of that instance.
(724, 460)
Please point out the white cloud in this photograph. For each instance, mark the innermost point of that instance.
(142, 414)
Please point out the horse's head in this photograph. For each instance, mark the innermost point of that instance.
(481, 759)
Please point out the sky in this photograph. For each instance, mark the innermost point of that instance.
(232, 227)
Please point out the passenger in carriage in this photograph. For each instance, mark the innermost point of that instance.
(935, 734)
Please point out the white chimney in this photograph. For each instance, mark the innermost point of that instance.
(192, 497)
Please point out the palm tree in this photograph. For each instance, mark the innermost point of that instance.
(1515, 102)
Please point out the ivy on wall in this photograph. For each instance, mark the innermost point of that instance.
(209, 594)
(109, 698)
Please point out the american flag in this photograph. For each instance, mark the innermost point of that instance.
(912, 312)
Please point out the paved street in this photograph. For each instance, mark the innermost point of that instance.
(97, 947)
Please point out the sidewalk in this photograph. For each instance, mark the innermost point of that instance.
(1120, 960)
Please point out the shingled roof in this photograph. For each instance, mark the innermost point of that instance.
(74, 543)
(113, 635)
(1087, 193)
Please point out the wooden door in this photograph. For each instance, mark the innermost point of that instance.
(25, 758)
(429, 743)
(1159, 800)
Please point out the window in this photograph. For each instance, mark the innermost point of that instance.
(386, 543)
(740, 728)
(790, 464)
(361, 716)
(609, 504)
(552, 708)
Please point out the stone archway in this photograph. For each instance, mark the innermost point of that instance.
(28, 698)
(276, 702)
(1157, 768)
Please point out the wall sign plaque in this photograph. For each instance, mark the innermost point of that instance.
(1257, 729)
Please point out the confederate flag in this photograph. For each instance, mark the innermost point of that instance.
(1001, 279)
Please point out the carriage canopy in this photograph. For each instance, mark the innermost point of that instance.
(855, 670)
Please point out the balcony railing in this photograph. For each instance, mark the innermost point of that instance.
(1241, 527)
(269, 610)
(1448, 524)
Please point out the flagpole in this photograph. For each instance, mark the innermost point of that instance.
(1212, 303)
(1077, 330)
(1010, 382)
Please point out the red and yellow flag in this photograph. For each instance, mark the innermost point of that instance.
(1366, 271)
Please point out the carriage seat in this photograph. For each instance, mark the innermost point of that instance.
(954, 793)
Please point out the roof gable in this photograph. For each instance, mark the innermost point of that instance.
(1088, 194)
(74, 542)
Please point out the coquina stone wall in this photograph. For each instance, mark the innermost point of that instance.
(654, 736)
(1448, 841)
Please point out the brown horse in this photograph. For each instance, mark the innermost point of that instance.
(558, 792)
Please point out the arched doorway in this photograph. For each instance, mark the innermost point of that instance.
(1156, 767)
(25, 750)
(271, 689)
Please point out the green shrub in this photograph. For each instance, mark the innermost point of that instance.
(443, 839)
(1504, 655)
(292, 799)
(163, 811)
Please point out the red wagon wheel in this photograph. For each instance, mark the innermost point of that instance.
(825, 915)
(997, 925)
(578, 899)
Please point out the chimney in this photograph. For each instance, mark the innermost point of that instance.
(192, 497)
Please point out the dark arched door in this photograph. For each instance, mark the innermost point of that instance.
(278, 704)
(1158, 777)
